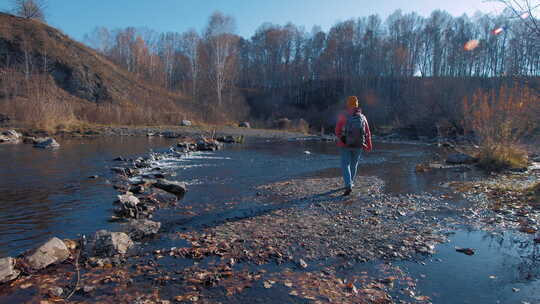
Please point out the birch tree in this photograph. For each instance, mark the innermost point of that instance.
(222, 47)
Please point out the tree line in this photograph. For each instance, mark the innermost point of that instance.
(403, 45)
(287, 64)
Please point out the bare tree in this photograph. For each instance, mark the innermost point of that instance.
(526, 10)
(222, 45)
(30, 9)
(190, 48)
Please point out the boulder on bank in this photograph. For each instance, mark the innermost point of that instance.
(460, 158)
(46, 143)
(244, 124)
(108, 244)
(54, 251)
(139, 229)
(186, 123)
(7, 270)
(176, 188)
(10, 136)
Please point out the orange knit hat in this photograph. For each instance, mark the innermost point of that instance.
(352, 102)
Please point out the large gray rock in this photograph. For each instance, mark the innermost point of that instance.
(186, 123)
(10, 136)
(176, 188)
(139, 229)
(460, 158)
(52, 252)
(107, 244)
(46, 143)
(7, 270)
(129, 206)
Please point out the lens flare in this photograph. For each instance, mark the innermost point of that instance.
(497, 31)
(471, 45)
(525, 15)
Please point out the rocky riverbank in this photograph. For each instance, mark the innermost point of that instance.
(301, 242)
(165, 131)
(142, 190)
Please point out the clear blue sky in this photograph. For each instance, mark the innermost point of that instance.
(77, 17)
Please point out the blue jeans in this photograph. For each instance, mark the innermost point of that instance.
(349, 164)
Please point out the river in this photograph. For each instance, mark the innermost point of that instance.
(46, 193)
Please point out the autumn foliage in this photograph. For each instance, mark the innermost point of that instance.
(501, 120)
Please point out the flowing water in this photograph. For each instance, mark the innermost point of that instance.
(47, 193)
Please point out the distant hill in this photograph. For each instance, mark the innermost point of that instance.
(82, 75)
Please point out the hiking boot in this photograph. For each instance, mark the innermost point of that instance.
(347, 192)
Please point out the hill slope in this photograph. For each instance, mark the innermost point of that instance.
(77, 73)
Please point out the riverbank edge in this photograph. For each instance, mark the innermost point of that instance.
(173, 131)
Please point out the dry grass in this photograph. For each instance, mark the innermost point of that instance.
(500, 157)
(500, 120)
(37, 102)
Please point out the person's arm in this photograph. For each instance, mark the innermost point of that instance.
(339, 127)
(368, 147)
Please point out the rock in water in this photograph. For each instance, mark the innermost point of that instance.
(46, 143)
(128, 200)
(139, 229)
(244, 124)
(7, 270)
(108, 244)
(52, 252)
(186, 123)
(128, 206)
(460, 158)
(208, 145)
(159, 196)
(138, 189)
(231, 139)
(467, 251)
(176, 188)
(10, 136)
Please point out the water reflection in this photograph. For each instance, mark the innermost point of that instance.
(504, 269)
(46, 193)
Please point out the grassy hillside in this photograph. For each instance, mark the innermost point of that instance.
(44, 71)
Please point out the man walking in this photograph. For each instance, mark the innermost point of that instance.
(354, 135)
